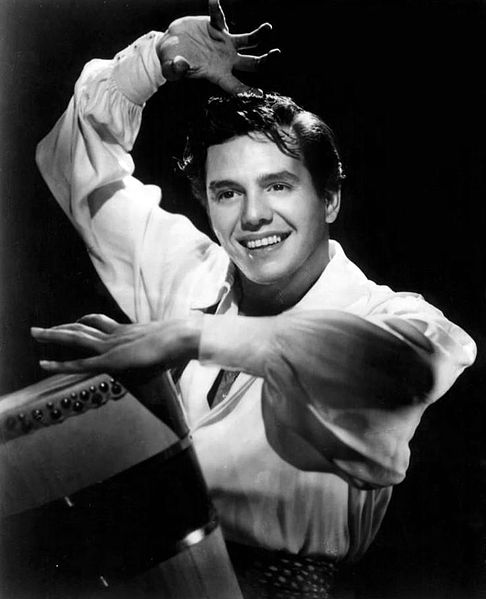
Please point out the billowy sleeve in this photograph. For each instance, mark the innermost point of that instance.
(343, 393)
(138, 249)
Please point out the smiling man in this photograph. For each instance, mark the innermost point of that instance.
(302, 381)
(262, 201)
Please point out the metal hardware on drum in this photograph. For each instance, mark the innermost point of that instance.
(42, 413)
(103, 496)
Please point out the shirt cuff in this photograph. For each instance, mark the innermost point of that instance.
(137, 71)
(237, 342)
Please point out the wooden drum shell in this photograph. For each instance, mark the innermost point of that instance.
(104, 499)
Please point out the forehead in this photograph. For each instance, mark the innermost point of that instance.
(246, 157)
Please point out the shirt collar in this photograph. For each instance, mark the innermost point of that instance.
(340, 284)
(214, 296)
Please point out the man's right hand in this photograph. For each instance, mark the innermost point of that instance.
(203, 48)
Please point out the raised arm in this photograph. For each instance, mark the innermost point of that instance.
(85, 160)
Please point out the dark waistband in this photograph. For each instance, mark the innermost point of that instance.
(267, 574)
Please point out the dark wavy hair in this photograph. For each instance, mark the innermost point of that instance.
(297, 132)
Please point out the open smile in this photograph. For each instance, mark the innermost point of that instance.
(264, 242)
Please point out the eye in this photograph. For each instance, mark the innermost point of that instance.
(227, 194)
(279, 187)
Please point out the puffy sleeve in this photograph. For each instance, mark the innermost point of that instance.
(138, 249)
(343, 393)
(346, 394)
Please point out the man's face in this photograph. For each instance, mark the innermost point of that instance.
(265, 211)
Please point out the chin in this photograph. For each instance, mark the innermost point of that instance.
(265, 278)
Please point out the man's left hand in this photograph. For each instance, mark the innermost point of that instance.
(112, 347)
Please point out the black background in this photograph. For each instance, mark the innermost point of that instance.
(402, 85)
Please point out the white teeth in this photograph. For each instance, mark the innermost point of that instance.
(257, 243)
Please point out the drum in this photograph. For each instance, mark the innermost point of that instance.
(102, 496)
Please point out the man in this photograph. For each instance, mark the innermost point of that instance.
(302, 381)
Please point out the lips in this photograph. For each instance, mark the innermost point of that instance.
(264, 241)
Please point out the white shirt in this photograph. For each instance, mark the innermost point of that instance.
(157, 265)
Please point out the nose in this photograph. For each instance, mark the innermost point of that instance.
(255, 211)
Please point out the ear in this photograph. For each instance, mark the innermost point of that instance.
(333, 203)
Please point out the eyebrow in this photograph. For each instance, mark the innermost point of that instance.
(215, 185)
(262, 180)
(271, 177)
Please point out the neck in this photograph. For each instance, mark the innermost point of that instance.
(274, 298)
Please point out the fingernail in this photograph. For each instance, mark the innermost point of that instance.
(35, 330)
(46, 364)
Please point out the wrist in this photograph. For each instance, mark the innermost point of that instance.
(189, 337)
(172, 65)
(160, 47)
(237, 342)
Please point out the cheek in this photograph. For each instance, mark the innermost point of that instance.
(310, 214)
(213, 217)
(313, 224)
(221, 223)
